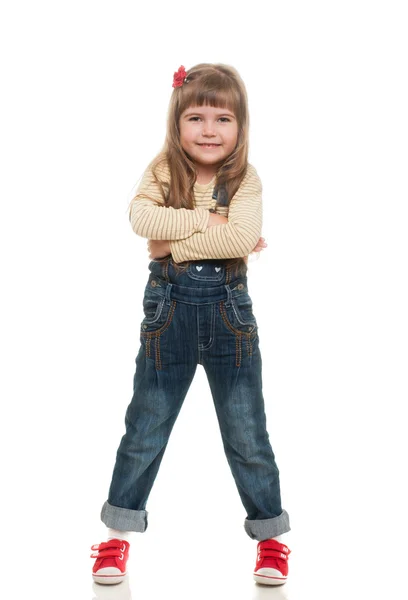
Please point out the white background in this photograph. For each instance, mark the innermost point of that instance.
(86, 87)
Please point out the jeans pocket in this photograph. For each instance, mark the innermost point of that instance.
(157, 312)
(239, 314)
(152, 306)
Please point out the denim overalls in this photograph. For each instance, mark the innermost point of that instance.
(202, 316)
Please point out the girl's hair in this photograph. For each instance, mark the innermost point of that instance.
(214, 85)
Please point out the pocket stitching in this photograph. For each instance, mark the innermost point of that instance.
(238, 314)
(232, 328)
(156, 317)
(163, 328)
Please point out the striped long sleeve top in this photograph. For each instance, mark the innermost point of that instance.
(187, 230)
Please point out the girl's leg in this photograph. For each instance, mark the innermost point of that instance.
(165, 368)
(234, 369)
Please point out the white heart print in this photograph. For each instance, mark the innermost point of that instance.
(199, 268)
(218, 269)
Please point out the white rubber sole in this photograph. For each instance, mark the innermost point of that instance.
(108, 576)
(267, 576)
(108, 580)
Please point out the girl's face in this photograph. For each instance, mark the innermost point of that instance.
(208, 135)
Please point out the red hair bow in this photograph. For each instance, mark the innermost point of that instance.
(179, 77)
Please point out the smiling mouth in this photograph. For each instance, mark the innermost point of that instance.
(210, 145)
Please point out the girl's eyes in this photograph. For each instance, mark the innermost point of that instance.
(222, 119)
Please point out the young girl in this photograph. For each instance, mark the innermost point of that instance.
(199, 204)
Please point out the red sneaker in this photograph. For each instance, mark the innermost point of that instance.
(271, 563)
(111, 558)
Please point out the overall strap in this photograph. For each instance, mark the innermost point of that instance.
(221, 196)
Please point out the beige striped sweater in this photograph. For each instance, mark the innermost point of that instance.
(187, 230)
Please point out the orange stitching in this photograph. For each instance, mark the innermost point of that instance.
(165, 326)
(169, 318)
(156, 334)
(238, 335)
(228, 324)
(239, 349)
(249, 344)
(158, 358)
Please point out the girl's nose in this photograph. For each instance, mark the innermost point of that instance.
(208, 129)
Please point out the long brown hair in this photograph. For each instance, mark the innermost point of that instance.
(216, 85)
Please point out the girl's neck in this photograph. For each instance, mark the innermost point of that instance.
(205, 175)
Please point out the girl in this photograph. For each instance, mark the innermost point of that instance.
(199, 204)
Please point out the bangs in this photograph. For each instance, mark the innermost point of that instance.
(216, 92)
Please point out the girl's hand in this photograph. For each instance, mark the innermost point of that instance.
(261, 244)
(158, 248)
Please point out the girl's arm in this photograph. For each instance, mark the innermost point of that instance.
(236, 238)
(161, 248)
(151, 219)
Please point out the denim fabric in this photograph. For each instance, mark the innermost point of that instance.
(200, 317)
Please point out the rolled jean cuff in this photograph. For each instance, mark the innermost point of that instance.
(263, 529)
(124, 519)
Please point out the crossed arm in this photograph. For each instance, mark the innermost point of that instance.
(199, 234)
(161, 248)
